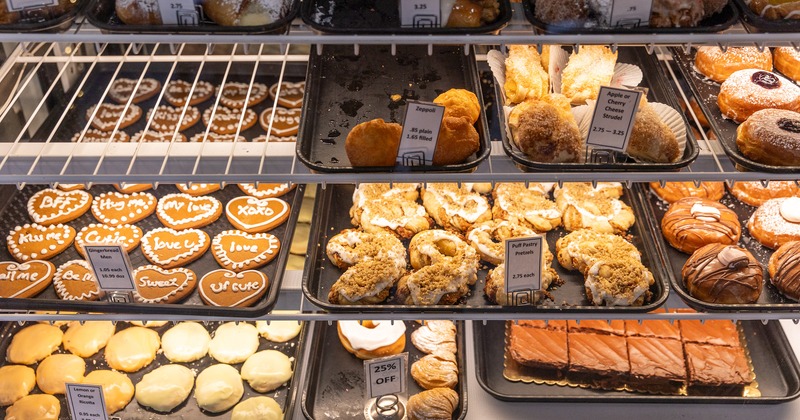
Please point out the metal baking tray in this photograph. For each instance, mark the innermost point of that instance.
(331, 215)
(334, 386)
(42, 20)
(14, 212)
(770, 300)
(756, 23)
(716, 23)
(101, 14)
(774, 363)
(344, 89)
(381, 17)
(706, 92)
(659, 90)
(285, 396)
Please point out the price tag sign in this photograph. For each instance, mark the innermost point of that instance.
(420, 13)
(386, 375)
(86, 402)
(613, 118)
(112, 269)
(178, 12)
(630, 13)
(420, 133)
(524, 264)
(20, 5)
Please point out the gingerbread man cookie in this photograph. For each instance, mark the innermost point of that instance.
(291, 95)
(168, 119)
(25, 280)
(128, 236)
(233, 94)
(182, 211)
(75, 280)
(286, 122)
(254, 215)
(226, 120)
(178, 90)
(108, 115)
(122, 89)
(157, 285)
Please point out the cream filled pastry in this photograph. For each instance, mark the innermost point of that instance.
(86, 339)
(165, 388)
(372, 339)
(34, 343)
(185, 342)
(267, 370)
(218, 388)
(57, 370)
(132, 349)
(233, 342)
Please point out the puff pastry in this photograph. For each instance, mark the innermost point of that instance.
(437, 403)
(525, 76)
(586, 71)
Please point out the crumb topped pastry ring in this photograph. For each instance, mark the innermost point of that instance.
(581, 249)
(455, 208)
(403, 218)
(776, 222)
(674, 191)
(692, 222)
(488, 238)
(618, 283)
(525, 206)
(598, 208)
(755, 194)
(372, 339)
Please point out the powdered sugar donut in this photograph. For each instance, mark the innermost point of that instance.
(776, 222)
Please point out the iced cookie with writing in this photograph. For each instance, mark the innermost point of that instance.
(254, 215)
(122, 89)
(128, 236)
(198, 189)
(234, 94)
(178, 91)
(265, 190)
(226, 120)
(169, 248)
(274, 139)
(291, 95)
(74, 280)
(214, 137)
(70, 187)
(152, 136)
(157, 285)
(182, 211)
(238, 251)
(286, 122)
(52, 206)
(132, 188)
(94, 135)
(167, 118)
(36, 242)
(228, 288)
(108, 115)
(113, 208)
(25, 280)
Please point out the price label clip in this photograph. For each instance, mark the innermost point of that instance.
(420, 134)
(523, 269)
(112, 269)
(630, 13)
(420, 13)
(86, 402)
(613, 118)
(386, 375)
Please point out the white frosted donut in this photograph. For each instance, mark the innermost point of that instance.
(371, 339)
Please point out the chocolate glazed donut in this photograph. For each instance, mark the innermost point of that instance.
(718, 273)
(784, 269)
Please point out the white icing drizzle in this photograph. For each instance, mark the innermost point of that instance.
(362, 338)
(9, 273)
(110, 207)
(790, 209)
(265, 250)
(193, 247)
(234, 94)
(455, 201)
(250, 206)
(188, 210)
(63, 202)
(61, 287)
(705, 213)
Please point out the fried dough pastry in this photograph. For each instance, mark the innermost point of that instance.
(586, 71)
(373, 143)
(435, 335)
(526, 207)
(458, 140)
(460, 103)
(365, 193)
(525, 76)
(546, 131)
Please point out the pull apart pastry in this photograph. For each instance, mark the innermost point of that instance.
(526, 78)
(718, 65)
(586, 71)
(433, 404)
(597, 208)
(674, 191)
(784, 269)
(719, 273)
(545, 130)
(651, 139)
(455, 208)
(488, 238)
(693, 222)
(435, 335)
(436, 370)
(776, 222)
(366, 193)
(755, 194)
(525, 206)
(379, 208)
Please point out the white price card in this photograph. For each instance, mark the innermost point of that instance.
(420, 13)
(111, 267)
(614, 114)
(524, 264)
(86, 402)
(630, 13)
(420, 133)
(20, 5)
(178, 12)
(386, 375)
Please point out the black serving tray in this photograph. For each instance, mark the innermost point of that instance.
(706, 92)
(43, 20)
(756, 23)
(774, 363)
(770, 300)
(101, 14)
(659, 90)
(14, 213)
(716, 23)
(382, 17)
(344, 89)
(335, 387)
(285, 396)
(331, 215)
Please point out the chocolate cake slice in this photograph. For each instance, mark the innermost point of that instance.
(549, 325)
(716, 370)
(657, 365)
(539, 348)
(598, 359)
(616, 327)
(717, 332)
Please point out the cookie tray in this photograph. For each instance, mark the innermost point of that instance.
(39, 20)
(774, 363)
(770, 300)
(331, 215)
(344, 89)
(716, 23)
(756, 23)
(383, 17)
(335, 384)
(285, 396)
(14, 213)
(706, 92)
(659, 90)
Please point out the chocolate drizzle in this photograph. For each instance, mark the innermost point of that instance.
(687, 231)
(786, 263)
(710, 280)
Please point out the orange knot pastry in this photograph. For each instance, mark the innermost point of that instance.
(525, 206)
(372, 339)
(776, 222)
(597, 208)
(455, 208)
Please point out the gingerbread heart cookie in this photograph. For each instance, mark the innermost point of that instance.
(108, 115)
(25, 280)
(233, 94)
(94, 135)
(157, 285)
(52, 206)
(169, 248)
(226, 120)
(113, 208)
(158, 137)
(132, 188)
(70, 187)
(122, 89)
(31, 241)
(214, 137)
(167, 119)
(238, 251)
(254, 215)
(291, 95)
(182, 211)
(178, 90)
(75, 280)
(286, 122)
(128, 236)
(274, 139)
(264, 190)
(228, 288)
(198, 189)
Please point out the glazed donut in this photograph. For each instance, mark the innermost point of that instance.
(372, 339)
(488, 238)
(718, 65)
(495, 291)
(787, 61)
(784, 269)
(581, 249)
(525, 206)
(748, 91)
(618, 282)
(755, 194)
(719, 273)
(598, 208)
(674, 191)
(455, 208)
(771, 137)
(776, 222)
(693, 222)
(373, 143)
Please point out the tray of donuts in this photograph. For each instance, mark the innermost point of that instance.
(729, 251)
(751, 100)
(437, 371)
(194, 250)
(439, 247)
(769, 15)
(54, 16)
(153, 370)
(355, 105)
(546, 102)
(203, 16)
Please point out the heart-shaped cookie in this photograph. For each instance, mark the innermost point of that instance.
(182, 211)
(234, 94)
(74, 280)
(213, 137)
(226, 120)
(122, 89)
(25, 280)
(128, 236)
(51, 206)
(286, 122)
(291, 95)
(274, 139)
(157, 285)
(168, 248)
(70, 187)
(94, 135)
(132, 188)
(198, 189)
(264, 190)
(107, 116)
(178, 90)
(158, 137)
(228, 288)
(238, 251)
(254, 215)
(37, 242)
(114, 209)
(166, 118)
